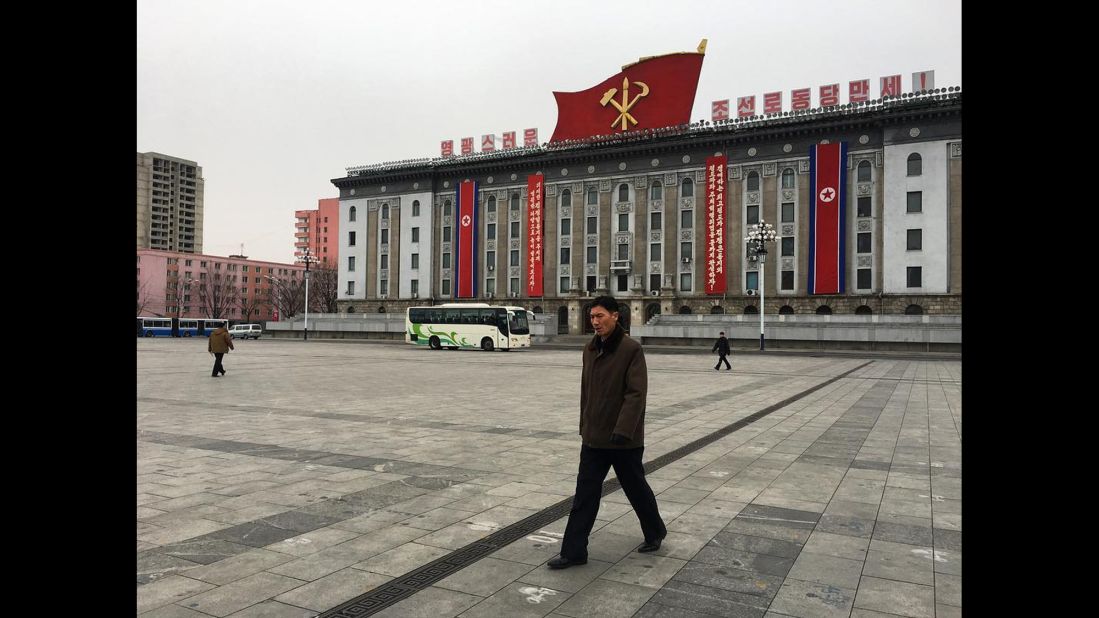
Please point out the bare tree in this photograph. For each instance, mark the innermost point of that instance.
(142, 297)
(177, 287)
(217, 293)
(324, 289)
(287, 296)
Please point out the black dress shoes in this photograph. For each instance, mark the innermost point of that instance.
(561, 562)
(650, 546)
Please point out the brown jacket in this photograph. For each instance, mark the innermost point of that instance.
(220, 341)
(613, 387)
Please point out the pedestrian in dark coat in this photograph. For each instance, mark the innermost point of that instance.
(219, 345)
(722, 349)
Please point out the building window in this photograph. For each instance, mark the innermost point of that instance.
(787, 246)
(514, 229)
(514, 257)
(490, 231)
(385, 261)
(566, 253)
(515, 203)
(751, 280)
(623, 283)
(915, 201)
(490, 287)
(446, 287)
(623, 222)
(590, 281)
(685, 250)
(415, 208)
(915, 276)
(862, 277)
(446, 208)
(565, 225)
(566, 198)
(688, 188)
(351, 263)
(415, 261)
(593, 225)
(385, 211)
(446, 261)
(514, 283)
(787, 178)
(351, 239)
(623, 192)
(415, 287)
(563, 285)
(384, 287)
(656, 191)
(788, 212)
(446, 233)
(684, 282)
(655, 221)
(864, 171)
(915, 240)
(787, 279)
(490, 258)
(385, 236)
(863, 243)
(654, 283)
(654, 252)
(415, 234)
(591, 255)
(915, 165)
(863, 207)
(913, 310)
(492, 203)
(752, 214)
(350, 288)
(623, 251)
(593, 197)
(351, 213)
(753, 181)
(686, 220)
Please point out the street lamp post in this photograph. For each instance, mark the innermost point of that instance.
(307, 258)
(761, 234)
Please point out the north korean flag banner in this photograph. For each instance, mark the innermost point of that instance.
(465, 241)
(827, 218)
(535, 191)
(715, 224)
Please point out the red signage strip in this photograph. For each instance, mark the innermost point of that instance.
(535, 191)
(716, 195)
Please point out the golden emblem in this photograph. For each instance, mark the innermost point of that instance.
(626, 105)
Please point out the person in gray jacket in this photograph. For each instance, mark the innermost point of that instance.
(613, 387)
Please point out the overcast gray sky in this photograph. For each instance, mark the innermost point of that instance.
(275, 98)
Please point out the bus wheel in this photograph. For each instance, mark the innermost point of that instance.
(186, 334)
(148, 333)
(434, 343)
(486, 344)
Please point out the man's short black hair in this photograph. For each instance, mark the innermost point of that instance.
(722, 333)
(606, 302)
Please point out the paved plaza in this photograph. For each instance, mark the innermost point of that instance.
(316, 472)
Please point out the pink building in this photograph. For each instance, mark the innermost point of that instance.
(319, 231)
(188, 285)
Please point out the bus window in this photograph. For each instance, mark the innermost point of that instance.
(518, 322)
(471, 316)
(416, 315)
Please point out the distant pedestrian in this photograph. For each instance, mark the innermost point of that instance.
(722, 348)
(219, 345)
(613, 385)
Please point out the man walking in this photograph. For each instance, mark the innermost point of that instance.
(722, 349)
(219, 345)
(613, 387)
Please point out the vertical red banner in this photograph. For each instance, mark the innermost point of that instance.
(465, 246)
(535, 190)
(716, 194)
(827, 218)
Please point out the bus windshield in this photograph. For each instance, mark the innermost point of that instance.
(517, 322)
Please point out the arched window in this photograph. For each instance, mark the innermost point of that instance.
(787, 178)
(623, 192)
(415, 208)
(381, 309)
(385, 211)
(717, 310)
(864, 171)
(446, 208)
(751, 310)
(753, 181)
(593, 197)
(514, 202)
(351, 214)
(653, 309)
(915, 164)
(863, 310)
(824, 310)
(566, 198)
(786, 310)
(350, 309)
(685, 310)
(492, 203)
(656, 191)
(913, 310)
(688, 189)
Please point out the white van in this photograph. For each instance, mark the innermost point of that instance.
(244, 331)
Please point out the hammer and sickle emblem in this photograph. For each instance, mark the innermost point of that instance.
(626, 105)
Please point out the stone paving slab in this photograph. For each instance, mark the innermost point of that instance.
(313, 473)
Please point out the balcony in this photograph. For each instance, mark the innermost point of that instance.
(620, 266)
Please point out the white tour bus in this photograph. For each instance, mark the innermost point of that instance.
(468, 325)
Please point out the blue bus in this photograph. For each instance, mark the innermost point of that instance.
(178, 327)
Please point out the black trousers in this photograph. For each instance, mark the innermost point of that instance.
(217, 363)
(594, 465)
(721, 359)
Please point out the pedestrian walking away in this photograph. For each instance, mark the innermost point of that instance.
(219, 345)
(722, 349)
(613, 388)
